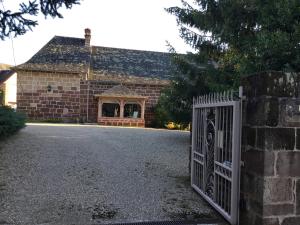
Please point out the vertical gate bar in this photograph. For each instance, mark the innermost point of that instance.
(194, 125)
(204, 145)
(222, 192)
(196, 174)
(225, 194)
(198, 178)
(229, 134)
(231, 129)
(227, 141)
(198, 130)
(219, 190)
(202, 132)
(200, 122)
(215, 149)
(202, 148)
(225, 134)
(222, 149)
(226, 145)
(236, 161)
(218, 153)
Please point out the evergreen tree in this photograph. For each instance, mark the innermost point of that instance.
(18, 23)
(232, 38)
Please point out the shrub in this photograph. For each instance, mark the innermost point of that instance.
(10, 121)
(161, 117)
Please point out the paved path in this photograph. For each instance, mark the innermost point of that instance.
(89, 174)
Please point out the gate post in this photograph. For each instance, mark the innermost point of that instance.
(270, 178)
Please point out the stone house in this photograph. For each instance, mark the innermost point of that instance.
(8, 88)
(70, 80)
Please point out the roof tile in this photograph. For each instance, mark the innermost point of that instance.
(65, 54)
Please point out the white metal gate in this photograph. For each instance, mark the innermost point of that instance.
(216, 151)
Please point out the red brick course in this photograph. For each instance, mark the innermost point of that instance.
(39, 107)
(110, 121)
(71, 97)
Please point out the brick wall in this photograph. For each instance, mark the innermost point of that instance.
(122, 122)
(151, 91)
(62, 102)
(270, 181)
(71, 96)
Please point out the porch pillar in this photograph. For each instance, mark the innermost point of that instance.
(143, 110)
(270, 181)
(122, 108)
(99, 108)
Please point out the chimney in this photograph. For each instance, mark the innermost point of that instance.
(87, 37)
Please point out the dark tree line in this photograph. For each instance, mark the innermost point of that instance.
(231, 38)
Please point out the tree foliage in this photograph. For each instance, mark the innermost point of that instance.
(232, 38)
(10, 121)
(19, 22)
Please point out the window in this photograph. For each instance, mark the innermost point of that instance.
(132, 110)
(110, 110)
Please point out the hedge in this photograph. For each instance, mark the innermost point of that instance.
(10, 121)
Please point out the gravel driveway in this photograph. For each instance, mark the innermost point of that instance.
(89, 174)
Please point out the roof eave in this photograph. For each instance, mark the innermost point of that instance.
(120, 96)
(47, 70)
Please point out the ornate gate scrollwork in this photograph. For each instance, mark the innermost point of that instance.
(216, 151)
(209, 156)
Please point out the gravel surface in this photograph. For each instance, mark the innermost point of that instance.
(89, 174)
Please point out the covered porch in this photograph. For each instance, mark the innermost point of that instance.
(120, 106)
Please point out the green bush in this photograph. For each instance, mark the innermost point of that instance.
(161, 117)
(10, 121)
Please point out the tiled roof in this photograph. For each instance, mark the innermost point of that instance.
(120, 91)
(5, 74)
(114, 61)
(64, 54)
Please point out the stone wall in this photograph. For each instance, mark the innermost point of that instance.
(94, 87)
(71, 97)
(62, 102)
(270, 180)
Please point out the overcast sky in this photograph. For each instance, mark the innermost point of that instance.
(133, 24)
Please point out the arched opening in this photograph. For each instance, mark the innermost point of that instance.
(132, 110)
(110, 110)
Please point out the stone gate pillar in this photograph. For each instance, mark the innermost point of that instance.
(270, 178)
